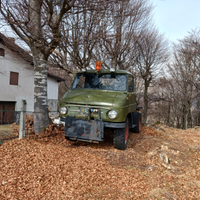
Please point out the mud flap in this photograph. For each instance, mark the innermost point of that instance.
(84, 130)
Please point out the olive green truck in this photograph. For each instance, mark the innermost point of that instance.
(101, 99)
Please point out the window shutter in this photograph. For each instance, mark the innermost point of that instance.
(14, 77)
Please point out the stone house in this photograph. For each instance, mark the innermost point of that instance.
(17, 81)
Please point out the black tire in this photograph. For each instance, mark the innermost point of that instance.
(137, 120)
(68, 138)
(120, 139)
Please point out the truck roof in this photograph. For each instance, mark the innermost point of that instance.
(103, 71)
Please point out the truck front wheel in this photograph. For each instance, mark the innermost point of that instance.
(120, 139)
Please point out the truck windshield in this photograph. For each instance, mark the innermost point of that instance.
(116, 82)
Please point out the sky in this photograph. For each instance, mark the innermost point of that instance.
(176, 18)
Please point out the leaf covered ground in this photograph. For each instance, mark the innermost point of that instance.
(159, 163)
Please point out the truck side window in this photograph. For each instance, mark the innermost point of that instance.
(81, 82)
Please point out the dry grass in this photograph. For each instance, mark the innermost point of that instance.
(5, 128)
(5, 131)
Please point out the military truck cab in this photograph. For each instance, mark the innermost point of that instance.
(100, 99)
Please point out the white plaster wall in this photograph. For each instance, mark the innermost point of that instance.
(52, 94)
(25, 88)
(52, 88)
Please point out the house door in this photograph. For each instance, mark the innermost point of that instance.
(7, 110)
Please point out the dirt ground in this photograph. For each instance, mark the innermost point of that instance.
(159, 163)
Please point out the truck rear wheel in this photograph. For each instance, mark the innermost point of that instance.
(137, 120)
(120, 139)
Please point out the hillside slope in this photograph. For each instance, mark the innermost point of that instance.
(159, 163)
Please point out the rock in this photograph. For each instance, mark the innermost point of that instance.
(152, 153)
(174, 152)
(166, 166)
(164, 158)
(164, 148)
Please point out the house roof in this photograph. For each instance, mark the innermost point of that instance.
(58, 78)
(10, 44)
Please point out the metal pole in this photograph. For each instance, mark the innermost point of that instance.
(22, 119)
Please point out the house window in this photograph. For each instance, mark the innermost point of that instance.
(14, 77)
(2, 52)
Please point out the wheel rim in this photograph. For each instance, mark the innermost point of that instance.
(126, 133)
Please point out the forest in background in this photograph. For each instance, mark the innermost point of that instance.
(122, 35)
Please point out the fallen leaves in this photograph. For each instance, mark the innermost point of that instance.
(52, 129)
(29, 128)
(53, 172)
(46, 166)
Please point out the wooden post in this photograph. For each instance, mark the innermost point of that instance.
(22, 120)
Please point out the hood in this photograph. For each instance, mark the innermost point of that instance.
(89, 97)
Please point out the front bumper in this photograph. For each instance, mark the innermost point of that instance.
(114, 125)
(87, 130)
(84, 130)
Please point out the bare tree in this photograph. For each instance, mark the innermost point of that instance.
(119, 33)
(178, 92)
(37, 22)
(192, 46)
(184, 72)
(80, 34)
(163, 101)
(151, 55)
(139, 87)
(105, 30)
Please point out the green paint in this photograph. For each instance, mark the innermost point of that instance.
(79, 100)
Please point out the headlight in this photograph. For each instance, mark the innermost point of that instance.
(112, 114)
(63, 110)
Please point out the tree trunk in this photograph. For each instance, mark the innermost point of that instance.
(184, 118)
(168, 114)
(189, 118)
(198, 113)
(178, 122)
(41, 117)
(145, 102)
(198, 118)
(114, 62)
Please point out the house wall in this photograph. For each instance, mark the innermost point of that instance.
(52, 94)
(25, 88)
